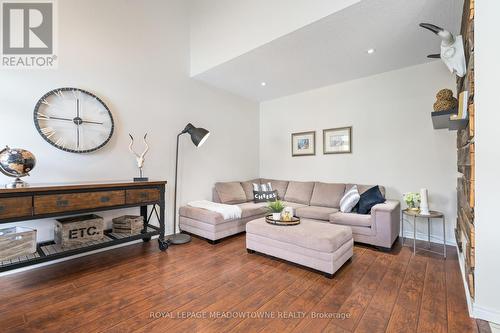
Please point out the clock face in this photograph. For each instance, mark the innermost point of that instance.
(73, 120)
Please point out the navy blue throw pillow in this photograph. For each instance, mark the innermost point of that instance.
(368, 199)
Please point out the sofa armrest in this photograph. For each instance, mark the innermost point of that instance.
(387, 206)
(386, 219)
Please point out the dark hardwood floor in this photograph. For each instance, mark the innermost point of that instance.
(137, 288)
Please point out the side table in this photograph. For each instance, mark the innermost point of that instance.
(416, 214)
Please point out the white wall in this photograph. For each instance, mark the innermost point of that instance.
(487, 226)
(394, 143)
(135, 56)
(224, 29)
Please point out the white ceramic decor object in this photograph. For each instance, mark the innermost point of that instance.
(424, 203)
(289, 210)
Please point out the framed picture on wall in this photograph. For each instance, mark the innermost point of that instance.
(337, 140)
(304, 144)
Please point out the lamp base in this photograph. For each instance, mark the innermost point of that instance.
(18, 183)
(141, 179)
(177, 239)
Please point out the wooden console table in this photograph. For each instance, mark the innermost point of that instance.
(39, 201)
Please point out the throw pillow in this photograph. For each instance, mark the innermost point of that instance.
(264, 193)
(264, 196)
(266, 187)
(349, 200)
(369, 199)
(262, 187)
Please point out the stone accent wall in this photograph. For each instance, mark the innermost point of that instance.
(464, 231)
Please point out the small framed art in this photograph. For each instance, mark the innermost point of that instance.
(337, 140)
(304, 144)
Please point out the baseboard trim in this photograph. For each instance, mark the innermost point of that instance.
(491, 315)
(475, 310)
(461, 265)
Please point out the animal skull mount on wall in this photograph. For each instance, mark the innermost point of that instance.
(452, 49)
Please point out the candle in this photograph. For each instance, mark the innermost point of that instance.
(424, 203)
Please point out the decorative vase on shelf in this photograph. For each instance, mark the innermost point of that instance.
(424, 203)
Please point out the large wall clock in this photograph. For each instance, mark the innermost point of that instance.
(73, 120)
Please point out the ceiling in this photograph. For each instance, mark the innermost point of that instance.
(334, 49)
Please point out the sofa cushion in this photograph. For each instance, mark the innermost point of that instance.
(363, 188)
(248, 188)
(315, 212)
(299, 192)
(253, 209)
(352, 219)
(278, 185)
(230, 193)
(200, 214)
(294, 205)
(369, 199)
(327, 195)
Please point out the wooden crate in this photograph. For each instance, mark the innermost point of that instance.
(128, 224)
(78, 230)
(16, 242)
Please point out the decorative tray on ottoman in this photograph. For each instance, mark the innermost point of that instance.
(295, 220)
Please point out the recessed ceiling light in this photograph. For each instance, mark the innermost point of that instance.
(370, 51)
(263, 84)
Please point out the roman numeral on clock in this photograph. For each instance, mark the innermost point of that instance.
(48, 132)
(60, 142)
(41, 116)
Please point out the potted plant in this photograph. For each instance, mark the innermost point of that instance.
(276, 207)
(412, 200)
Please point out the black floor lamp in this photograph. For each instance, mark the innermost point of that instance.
(198, 136)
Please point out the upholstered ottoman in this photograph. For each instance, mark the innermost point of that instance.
(322, 246)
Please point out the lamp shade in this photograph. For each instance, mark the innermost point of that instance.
(198, 135)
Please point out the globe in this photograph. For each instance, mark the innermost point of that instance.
(15, 162)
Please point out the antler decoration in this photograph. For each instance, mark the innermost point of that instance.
(139, 158)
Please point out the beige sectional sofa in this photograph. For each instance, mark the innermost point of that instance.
(311, 200)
